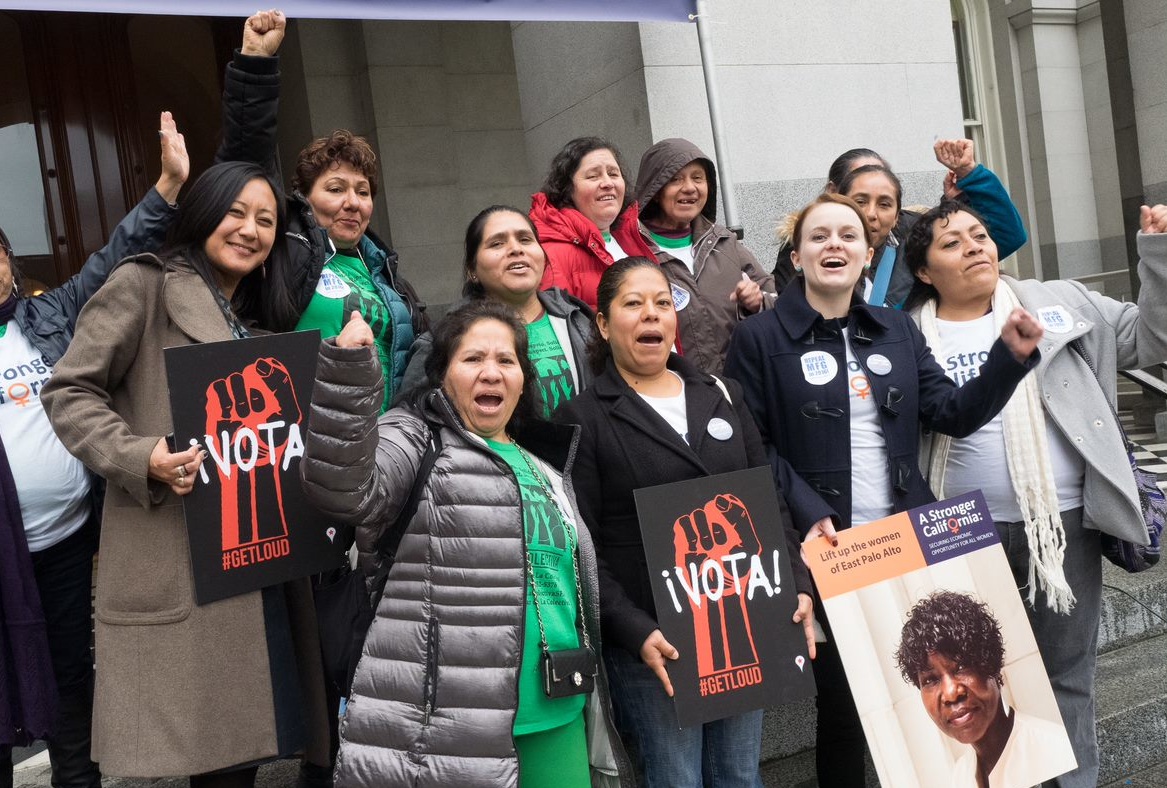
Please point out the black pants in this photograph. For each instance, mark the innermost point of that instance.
(840, 745)
(64, 576)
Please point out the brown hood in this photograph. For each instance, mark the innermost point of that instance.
(661, 162)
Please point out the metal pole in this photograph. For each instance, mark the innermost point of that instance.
(720, 144)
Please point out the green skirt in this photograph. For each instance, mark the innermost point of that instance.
(555, 758)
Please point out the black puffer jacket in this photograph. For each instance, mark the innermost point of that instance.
(433, 700)
(250, 107)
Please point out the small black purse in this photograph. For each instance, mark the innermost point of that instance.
(570, 671)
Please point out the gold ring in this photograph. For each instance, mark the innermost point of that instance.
(181, 472)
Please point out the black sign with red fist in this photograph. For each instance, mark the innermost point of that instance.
(725, 598)
(246, 403)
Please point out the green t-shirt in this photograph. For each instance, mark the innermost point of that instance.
(549, 544)
(346, 284)
(552, 370)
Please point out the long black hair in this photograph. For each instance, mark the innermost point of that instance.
(841, 166)
(448, 334)
(558, 184)
(850, 178)
(472, 288)
(614, 275)
(207, 202)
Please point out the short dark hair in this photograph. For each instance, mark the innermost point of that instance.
(447, 335)
(849, 181)
(207, 202)
(917, 242)
(955, 625)
(558, 184)
(474, 233)
(614, 275)
(827, 198)
(841, 166)
(340, 146)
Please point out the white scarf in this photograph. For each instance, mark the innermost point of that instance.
(1028, 459)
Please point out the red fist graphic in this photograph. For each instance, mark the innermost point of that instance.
(248, 415)
(715, 544)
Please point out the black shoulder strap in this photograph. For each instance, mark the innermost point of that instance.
(391, 538)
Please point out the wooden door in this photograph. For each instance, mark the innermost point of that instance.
(78, 123)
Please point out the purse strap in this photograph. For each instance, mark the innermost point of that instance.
(390, 539)
(574, 560)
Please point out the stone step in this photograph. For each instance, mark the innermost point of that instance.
(1134, 607)
(1132, 708)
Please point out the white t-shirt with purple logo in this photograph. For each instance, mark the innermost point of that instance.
(52, 484)
(978, 461)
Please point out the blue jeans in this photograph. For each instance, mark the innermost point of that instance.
(721, 754)
(1068, 643)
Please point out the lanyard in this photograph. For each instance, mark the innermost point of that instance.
(887, 262)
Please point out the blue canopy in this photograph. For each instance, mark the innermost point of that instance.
(469, 10)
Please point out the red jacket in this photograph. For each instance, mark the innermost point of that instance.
(576, 255)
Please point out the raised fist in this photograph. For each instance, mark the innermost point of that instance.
(248, 417)
(715, 544)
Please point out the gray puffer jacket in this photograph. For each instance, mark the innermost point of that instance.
(434, 697)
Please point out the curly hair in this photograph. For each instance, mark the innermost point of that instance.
(323, 153)
(955, 625)
(916, 244)
(558, 185)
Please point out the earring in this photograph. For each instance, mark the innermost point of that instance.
(867, 266)
(798, 269)
(474, 278)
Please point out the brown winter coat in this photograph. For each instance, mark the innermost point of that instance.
(705, 314)
(181, 689)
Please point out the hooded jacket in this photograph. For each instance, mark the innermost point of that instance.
(706, 314)
(576, 254)
(435, 693)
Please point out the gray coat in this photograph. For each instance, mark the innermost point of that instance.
(1116, 335)
(433, 701)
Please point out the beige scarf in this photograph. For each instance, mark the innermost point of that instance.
(1028, 459)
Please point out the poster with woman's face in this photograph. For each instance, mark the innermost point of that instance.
(942, 663)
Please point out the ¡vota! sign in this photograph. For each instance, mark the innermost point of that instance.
(724, 594)
(246, 403)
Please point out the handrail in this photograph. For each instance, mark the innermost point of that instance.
(1146, 380)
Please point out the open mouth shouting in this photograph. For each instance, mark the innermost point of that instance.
(651, 338)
